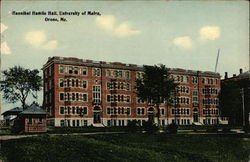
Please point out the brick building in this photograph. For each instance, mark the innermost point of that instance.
(84, 92)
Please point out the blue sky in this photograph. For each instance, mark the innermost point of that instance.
(175, 33)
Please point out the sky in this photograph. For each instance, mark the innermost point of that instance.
(178, 34)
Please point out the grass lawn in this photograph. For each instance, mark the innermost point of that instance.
(128, 147)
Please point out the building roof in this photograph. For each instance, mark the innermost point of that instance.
(13, 111)
(123, 66)
(244, 75)
(33, 109)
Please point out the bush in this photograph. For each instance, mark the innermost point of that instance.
(172, 128)
(133, 126)
(226, 130)
(150, 127)
(212, 129)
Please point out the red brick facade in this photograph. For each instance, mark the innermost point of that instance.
(84, 92)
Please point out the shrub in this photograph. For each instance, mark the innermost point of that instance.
(213, 129)
(150, 127)
(172, 128)
(133, 126)
(226, 130)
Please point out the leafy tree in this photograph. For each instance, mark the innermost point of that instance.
(18, 83)
(155, 86)
(231, 100)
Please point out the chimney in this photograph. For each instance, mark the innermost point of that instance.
(226, 76)
(241, 71)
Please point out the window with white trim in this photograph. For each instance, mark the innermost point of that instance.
(61, 109)
(61, 83)
(61, 69)
(61, 96)
(84, 71)
(70, 69)
(97, 94)
(96, 72)
(84, 84)
(140, 111)
(84, 97)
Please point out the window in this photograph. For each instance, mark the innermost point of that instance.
(62, 123)
(138, 75)
(61, 69)
(140, 111)
(61, 83)
(84, 110)
(73, 82)
(195, 80)
(97, 94)
(30, 120)
(85, 122)
(162, 111)
(75, 70)
(61, 110)
(203, 80)
(50, 97)
(77, 83)
(84, 84)
(195, 93)
(108, 98)
(84, 71)
(78, 110)
(77, 96)
(96, 72)
(68, 82)
(73, 96)
(45, 73)
(127, 75)
(50, 84)
(50, 70)
(84, 97)
(128, 99)
(70, 69)
(40, 120)
(61, 96)
(108, 73)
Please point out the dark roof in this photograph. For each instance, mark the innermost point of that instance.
(118, 65)
(244, 75)
(33, 109)
(13, 111)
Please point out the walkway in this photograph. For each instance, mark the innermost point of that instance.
(9, 137)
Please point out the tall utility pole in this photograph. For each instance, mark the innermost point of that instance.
(243, 107)
(217, 59)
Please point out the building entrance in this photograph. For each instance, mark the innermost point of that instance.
(97, 114)
(151, 114)
(195, 115)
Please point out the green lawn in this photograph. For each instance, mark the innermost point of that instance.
(128, 147)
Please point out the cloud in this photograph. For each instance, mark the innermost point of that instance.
(39, 39)
(125, 30)
(209, 32)
(36, 38)
(3, 28)
(183, 42)
(51, 45)
(5, 50)
(108, 23)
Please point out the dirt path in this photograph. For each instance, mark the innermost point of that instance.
(9, 137)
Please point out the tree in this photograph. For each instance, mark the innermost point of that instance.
(231, 100)
(155, 86)
(18, 83)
